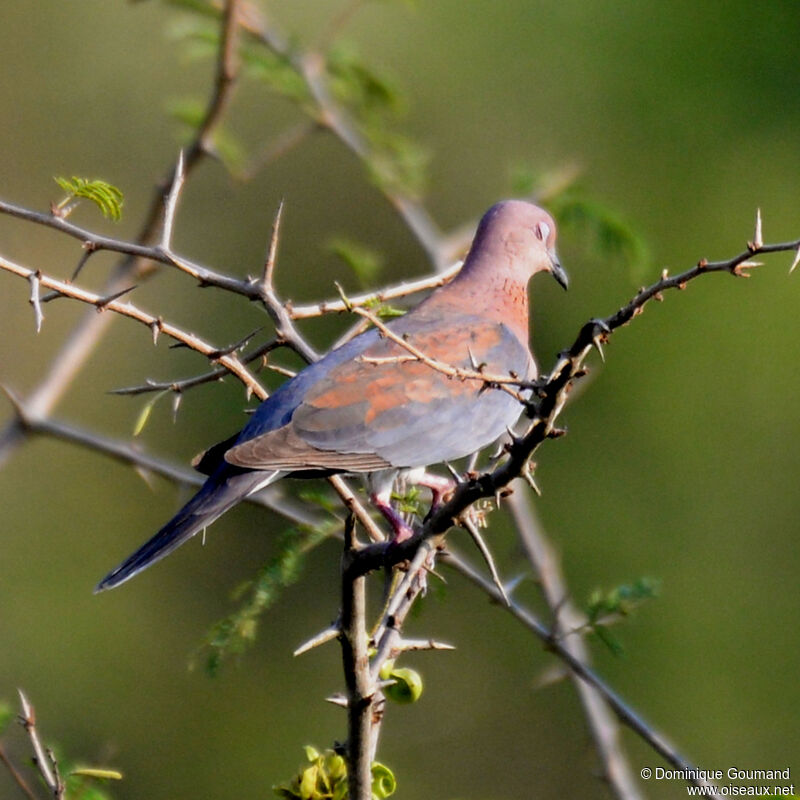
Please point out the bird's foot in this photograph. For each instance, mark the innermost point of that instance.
(401, 530)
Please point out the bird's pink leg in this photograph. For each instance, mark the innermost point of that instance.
(401, 530)
(381, 484)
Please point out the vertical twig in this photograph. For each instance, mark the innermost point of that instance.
(44, 760)
(171, 203)
(272, 253)
(355, 662)
(35, 300)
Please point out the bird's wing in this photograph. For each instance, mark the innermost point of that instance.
(380, 409)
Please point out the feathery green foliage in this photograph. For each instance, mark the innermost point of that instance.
(277, 73)
(408, 501)
(233, 634)
(606, 608)
(366, 92)
(376, 103)
(107, 197)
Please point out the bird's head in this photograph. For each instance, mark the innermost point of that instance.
(524, 236)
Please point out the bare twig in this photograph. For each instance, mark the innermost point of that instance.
(404, 289)
(35, 301)
(273, 497)
(43, 759)
(387, 633)
(184, 384)
(16, 775)
(473, 531)
(225, 77)
(171, 203)
(269, 264)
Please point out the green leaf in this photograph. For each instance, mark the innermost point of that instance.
(230, 150)
(107, 197)
(604, 608)
(365, 262)
(144, 414)
(98, 773)
(395, 163)
(609, 640)
(384, 310)
(324, 779)
(312, 754)
(622, 599)
(409, 502)
(308, 783)
(198, 37)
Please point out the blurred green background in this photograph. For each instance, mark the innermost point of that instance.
(681, 461)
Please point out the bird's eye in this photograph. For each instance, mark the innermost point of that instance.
(542, 231)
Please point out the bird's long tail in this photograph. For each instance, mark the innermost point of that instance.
(219, 493)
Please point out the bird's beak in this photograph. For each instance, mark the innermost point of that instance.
(557, 270)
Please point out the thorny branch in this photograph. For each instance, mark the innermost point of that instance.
(85, 337)
(156, 324)
(544, 410)
(141, 258)
(551, 395)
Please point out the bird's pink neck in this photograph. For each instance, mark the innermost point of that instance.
(494, 294)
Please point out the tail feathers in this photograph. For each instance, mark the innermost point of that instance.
(216, 496)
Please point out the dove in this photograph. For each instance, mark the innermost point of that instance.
(369, 407)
